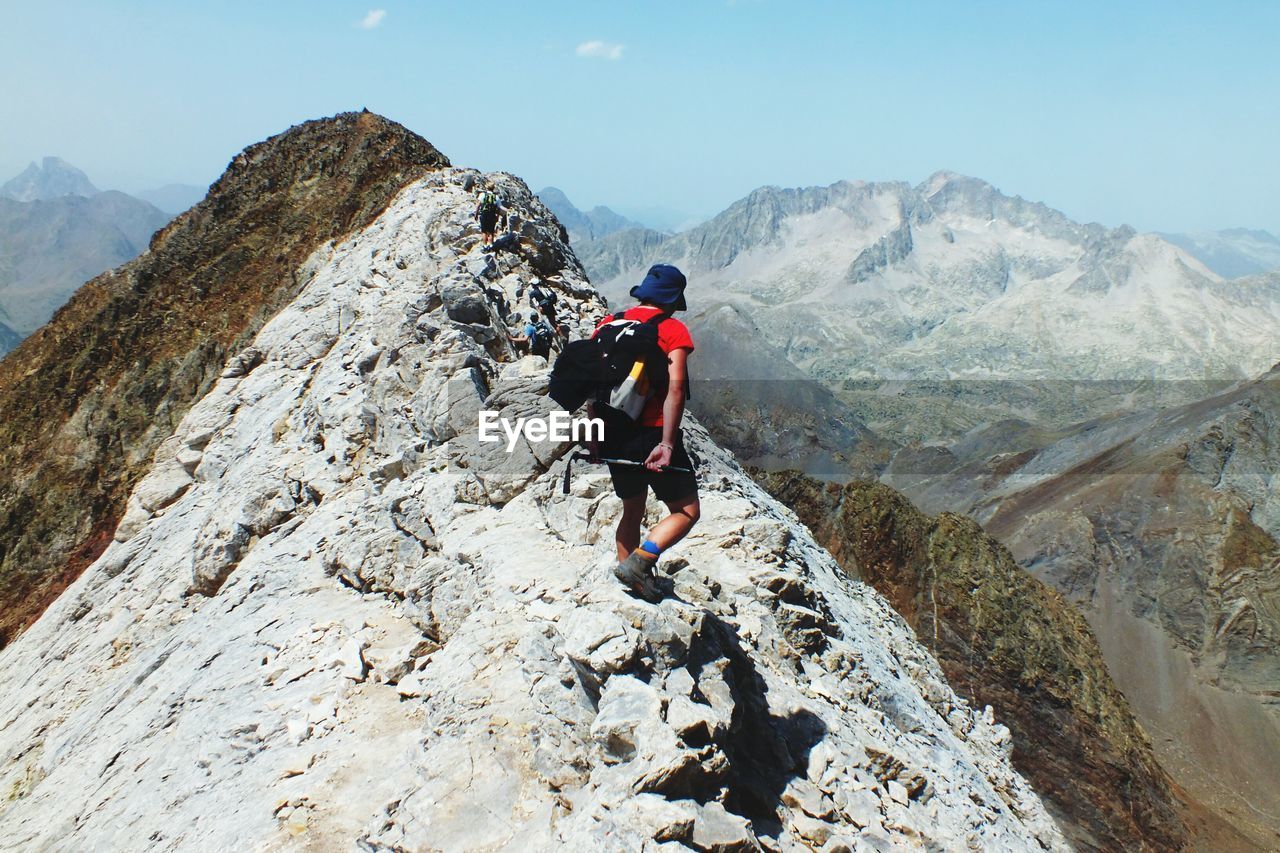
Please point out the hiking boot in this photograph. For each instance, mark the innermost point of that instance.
(636, 573)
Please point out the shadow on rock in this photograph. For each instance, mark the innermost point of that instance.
(765, 751)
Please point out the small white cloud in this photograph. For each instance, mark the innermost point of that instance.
(600, 50)
(372, 19)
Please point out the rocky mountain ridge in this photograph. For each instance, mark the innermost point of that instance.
(1006, 639)
(331, 617)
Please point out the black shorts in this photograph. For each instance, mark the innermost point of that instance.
(633, 442)
(488, 222)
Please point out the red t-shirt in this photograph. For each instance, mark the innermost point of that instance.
(672, 335)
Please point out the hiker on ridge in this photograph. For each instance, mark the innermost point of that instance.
(488, 212)
(537, 337)
(653, 439)
(544, 299)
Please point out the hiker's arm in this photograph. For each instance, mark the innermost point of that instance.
(672, 408)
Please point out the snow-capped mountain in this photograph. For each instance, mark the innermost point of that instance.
(953, 279)
(330, 617)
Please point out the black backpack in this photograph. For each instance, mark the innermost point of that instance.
(590, 369)
(540, 340)
(542, 298)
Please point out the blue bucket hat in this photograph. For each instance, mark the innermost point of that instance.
(664, 285)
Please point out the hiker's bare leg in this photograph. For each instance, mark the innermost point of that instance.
(627, 537)
(684, 515)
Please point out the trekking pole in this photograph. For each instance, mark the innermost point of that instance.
(603, 460)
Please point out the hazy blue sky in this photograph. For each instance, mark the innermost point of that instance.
(1164, 115)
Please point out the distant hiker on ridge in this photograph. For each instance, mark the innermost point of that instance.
(544, 299)
(537, 337)
(653, 438)
(488, 212)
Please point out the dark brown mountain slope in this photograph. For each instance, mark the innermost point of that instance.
(1005, 639)
(1164, 528)
(85, 400)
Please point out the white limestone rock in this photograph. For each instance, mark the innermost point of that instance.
(345, 631)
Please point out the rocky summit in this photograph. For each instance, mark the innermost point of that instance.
(330, 617)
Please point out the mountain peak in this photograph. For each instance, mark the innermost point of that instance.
(53, 178)
(944, 179)
(554, 194)
(581, 225)
(323, 146)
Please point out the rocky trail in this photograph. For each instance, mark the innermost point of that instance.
(332, 618)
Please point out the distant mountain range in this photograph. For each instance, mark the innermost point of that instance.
(953, 279)
(1234, 252)
(57, 231)
(582, 226)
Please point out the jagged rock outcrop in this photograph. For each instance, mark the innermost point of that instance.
(1162, 527)
(1005, 639)
(85, 400)
(332, 617)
